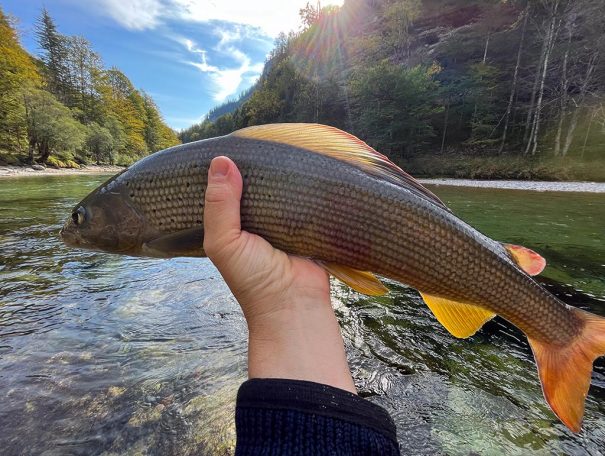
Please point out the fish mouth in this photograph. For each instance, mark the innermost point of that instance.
(69, 238)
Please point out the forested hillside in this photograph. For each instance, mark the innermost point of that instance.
(490, 88)
(64, 108)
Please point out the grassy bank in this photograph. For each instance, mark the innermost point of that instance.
(504, 167)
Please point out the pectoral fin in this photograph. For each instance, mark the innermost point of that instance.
(181, 243)
(460, 319)
(528, 260)
(361, 281)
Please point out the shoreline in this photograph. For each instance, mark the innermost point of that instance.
(538, 186)
(27, 171)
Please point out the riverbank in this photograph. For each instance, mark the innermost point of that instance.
(538, 186)
(23, 171)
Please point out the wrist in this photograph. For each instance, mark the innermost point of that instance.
(299, 341)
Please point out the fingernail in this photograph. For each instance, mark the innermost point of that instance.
(219, 167)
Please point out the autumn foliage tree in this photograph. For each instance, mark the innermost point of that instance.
(17, 72)
(68, 106)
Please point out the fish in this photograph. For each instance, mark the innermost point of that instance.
(318, 192)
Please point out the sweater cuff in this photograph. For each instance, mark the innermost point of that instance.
(317, 399)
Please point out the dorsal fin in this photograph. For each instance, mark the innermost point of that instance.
(335, 143)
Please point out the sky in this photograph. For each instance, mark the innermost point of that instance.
(189, 55)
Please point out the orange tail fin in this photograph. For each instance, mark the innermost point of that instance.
(565, 371)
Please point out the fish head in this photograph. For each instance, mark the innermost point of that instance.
(106, 220)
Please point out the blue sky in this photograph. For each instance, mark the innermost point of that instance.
(189, 55)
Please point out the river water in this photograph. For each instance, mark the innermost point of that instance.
(103, 354)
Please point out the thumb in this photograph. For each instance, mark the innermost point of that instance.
(222, 226)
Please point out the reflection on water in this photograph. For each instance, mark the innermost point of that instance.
(103, 354)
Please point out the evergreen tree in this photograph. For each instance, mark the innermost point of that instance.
(54, 56)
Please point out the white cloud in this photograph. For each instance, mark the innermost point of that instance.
(271, 16)
(133, 14)
(247, 19)
(225, 81)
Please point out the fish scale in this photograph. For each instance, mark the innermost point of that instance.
(318, 192)
(417, 255)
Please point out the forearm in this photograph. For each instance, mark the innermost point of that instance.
(302, 341)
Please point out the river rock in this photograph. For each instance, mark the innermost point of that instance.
(38, 167)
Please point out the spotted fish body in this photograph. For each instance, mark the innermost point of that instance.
(318, 192)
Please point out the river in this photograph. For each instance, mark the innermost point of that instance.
(104, 354)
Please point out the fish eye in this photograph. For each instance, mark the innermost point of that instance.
(79, 216)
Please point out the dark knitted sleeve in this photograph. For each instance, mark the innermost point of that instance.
(294, 417)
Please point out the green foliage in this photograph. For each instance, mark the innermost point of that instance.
(51, 126)
(17, 71)
(75, 110)
(414, 78)
(483, 97)
(55, 162)
(100, 143)
(394, 107)
(468, 166)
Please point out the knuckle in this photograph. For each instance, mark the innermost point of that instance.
(217, 193)
(221, 246)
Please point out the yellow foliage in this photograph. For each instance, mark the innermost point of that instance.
(55, 162)
(17, 71)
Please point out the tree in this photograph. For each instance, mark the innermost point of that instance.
(394, 106)
(17, 71)
(309, 15)
(54, 55)
(100, 143)
(551, 27)
(120, 98)
(399, 17)
(421, 76)
(83, 104)
(50, 125)
(157, 134)
(83, 69)
(513, 89)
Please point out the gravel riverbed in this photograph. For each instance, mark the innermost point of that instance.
(538, 186)
(23, 171)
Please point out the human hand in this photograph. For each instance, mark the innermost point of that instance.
(293, 332)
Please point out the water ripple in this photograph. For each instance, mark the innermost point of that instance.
(103, 354)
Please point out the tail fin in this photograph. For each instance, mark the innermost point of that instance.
(565, 371)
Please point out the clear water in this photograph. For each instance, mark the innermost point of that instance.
(103, 354)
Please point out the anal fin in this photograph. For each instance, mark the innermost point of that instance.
(460, 319)
(361, 281)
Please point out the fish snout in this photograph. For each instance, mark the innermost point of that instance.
(69, 235)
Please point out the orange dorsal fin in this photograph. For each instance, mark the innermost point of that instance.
(361, 281)
(341, 145)
(528, 260)
(460, 319)
(565, 371)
